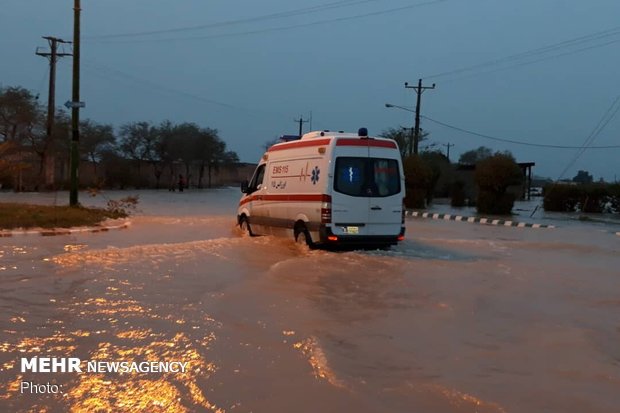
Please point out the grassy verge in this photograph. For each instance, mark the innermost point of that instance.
(40, 216)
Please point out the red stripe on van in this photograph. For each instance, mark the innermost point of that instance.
(288, 198)
(298, 144)
(365, 142)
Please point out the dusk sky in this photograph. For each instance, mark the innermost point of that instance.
(542, 72)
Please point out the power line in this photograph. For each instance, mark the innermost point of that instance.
(107, 72)
(282, 28)
(600, 126)
(154, 85)
(272, 16)
(537, 60)
(615, 31)
(516, 142)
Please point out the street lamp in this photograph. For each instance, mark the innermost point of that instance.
(412, 138)
(389, 105)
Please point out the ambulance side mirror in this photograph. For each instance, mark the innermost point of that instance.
(244, 186)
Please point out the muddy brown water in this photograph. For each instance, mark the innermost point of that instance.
(459, 318)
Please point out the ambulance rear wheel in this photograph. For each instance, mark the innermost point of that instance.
(302, 237)
(244, 225)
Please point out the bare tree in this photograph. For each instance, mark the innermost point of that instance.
(95, 139)
(404, 138)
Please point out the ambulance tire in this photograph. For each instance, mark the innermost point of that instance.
(302, 237)
(244, 225)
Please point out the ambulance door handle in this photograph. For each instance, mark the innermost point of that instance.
(376, 208)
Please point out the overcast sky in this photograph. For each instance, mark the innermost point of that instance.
(544, 72)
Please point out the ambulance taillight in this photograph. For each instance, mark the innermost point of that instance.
(326, 210)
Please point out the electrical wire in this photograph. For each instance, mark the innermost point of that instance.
(516, 142)
(272, 16)
(276, 29)
(41, 84)
(108, 73)
(150, 85)
(609, 115)
(597, 36)
(535, 61)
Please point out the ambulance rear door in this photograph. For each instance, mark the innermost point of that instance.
(386, 197)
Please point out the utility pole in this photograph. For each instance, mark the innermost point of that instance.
(301, 121)
(448, 145)
(53, 56)
(419, 90)
(75, 106)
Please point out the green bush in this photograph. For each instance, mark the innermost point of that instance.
(594, 198)
(494, 203)
(418, 181)
(562, 197)
(614, 198)
(441, 170)
(493, 176)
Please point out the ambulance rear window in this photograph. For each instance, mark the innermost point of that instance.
(367, 177)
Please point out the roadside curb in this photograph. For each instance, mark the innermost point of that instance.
(477, 220)
(64, 231)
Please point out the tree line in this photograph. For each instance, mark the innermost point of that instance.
(166, 148)
(492, 181)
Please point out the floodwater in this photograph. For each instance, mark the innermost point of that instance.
(458, 318)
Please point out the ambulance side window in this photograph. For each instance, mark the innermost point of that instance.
(257, 179)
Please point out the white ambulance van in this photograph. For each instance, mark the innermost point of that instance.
(327, 189)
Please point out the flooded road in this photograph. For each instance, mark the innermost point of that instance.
(458, 318)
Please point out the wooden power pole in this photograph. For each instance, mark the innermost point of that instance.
(448, 146)
(419, 90)
(301, 122)
(75, 107)
(53, 56)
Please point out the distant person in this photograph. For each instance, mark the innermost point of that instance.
(181, 183)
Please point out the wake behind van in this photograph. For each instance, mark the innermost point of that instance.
(327, 189)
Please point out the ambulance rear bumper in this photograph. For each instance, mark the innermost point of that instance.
(328, 239)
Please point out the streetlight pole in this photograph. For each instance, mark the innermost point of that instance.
(75, 109)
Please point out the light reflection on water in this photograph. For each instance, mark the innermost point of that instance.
(129, 392)
(140, 392)
(117, 326)
(316, 357)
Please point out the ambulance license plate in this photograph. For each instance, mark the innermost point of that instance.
(352, 230)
